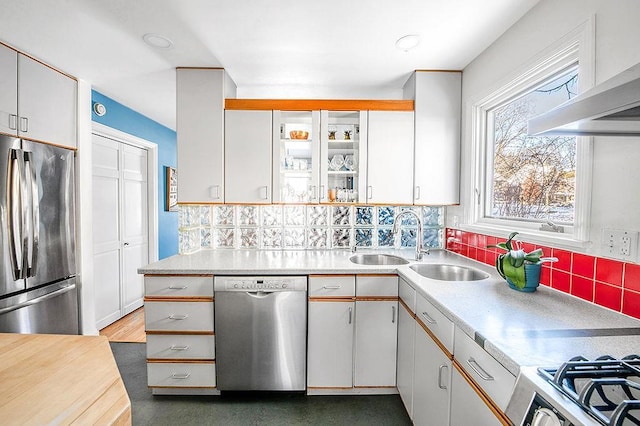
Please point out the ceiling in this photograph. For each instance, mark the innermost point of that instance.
(270, 48)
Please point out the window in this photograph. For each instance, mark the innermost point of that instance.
(523, 182)
(531, 178)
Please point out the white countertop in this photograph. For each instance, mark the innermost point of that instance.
(546, 327)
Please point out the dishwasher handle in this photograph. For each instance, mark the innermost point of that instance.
(261, 294)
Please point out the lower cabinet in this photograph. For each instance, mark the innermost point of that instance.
(352, 332)
(405, 369)
(467, 407)
(375, 347)
(330, 344)
(180, 334)
(432, 381)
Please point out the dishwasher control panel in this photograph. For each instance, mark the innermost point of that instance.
(265, 284)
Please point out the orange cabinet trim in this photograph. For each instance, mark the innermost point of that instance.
(178, 299)
(180, 361)
(318, 104)
(180, 332)
(332, 299)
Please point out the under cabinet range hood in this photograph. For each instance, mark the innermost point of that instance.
(611, 108)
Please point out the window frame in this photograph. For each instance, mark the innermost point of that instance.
(575, 48)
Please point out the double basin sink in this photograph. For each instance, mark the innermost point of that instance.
(435, 271)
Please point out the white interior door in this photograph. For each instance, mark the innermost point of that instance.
(120, 228)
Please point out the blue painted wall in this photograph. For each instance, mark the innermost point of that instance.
(129, 121)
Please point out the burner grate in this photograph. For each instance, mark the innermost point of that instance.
(607, 388)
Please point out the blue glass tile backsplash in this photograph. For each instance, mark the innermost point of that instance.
(278, 227)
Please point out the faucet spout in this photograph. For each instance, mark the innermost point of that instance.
(396, 227)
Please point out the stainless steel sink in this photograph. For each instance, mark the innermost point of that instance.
(448, 272)
(378, 259)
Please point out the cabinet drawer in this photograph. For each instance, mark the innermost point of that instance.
(178, 286)
(178, 316)
(435, 320)
(179, 346)
(488, 373)
(384, 285)
(407, 294)
(176, 374)
(332, 286)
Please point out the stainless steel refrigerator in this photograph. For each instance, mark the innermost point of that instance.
(38, 291)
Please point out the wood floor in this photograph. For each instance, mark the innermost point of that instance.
(129, 329)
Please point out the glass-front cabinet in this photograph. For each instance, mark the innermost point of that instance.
(296, 156)
(343, 156)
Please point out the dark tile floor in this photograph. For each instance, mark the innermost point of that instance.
(248, 409)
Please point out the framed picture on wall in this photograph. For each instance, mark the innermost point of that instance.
(171, 189)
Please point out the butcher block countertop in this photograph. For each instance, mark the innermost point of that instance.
(58, 379)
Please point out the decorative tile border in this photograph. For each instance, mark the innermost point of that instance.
(302, 227)
(605, 282)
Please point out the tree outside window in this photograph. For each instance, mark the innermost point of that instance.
(533, 177)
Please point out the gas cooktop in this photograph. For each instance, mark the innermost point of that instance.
(604, 391)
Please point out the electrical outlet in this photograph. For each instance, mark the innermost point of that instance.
(619, 244)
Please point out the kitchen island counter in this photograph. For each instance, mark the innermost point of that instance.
(517, 329)
(60, 379)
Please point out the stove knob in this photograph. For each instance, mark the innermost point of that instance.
(545, 417)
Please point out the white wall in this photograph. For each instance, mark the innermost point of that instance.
(616, 167)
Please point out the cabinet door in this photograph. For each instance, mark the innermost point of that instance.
(390, 157)
(330, 344)
(406, 342)
(467, 408)
(8, 91)
(437, 152)
(375, 347)
(247, 156)
(200, 133)
(47, 107)
(296, 158)
(432, 382)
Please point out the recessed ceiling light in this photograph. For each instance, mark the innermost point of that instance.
(158, 41)
(408, 42)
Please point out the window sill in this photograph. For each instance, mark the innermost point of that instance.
(556, 240)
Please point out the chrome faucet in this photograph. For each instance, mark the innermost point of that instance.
(396, 226)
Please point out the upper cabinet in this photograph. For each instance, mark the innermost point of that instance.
(247, 156)
(343, 156)
(8, 91)
(200, 131)
(296, 156)
(37, 102)
(437, 97)
(390, 157)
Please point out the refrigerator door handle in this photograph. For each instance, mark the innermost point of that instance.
(14, 172)
(33, 215)
(47, 296)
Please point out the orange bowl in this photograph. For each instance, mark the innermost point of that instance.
(298, 134)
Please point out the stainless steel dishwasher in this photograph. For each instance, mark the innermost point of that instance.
(261, 333)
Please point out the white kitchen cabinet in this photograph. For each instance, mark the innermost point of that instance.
(179, 321)
(376, 331)
(467, 407)
(8, 91)
(390, 157)
(432, 382)
(330, 344)
(343, 153)
(47, 103)
(296, 160)
(437, 97)
(200, 96)
(405, 357)
(248, 156)
(406, 344)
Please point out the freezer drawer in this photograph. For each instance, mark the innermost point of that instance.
(49, 310)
